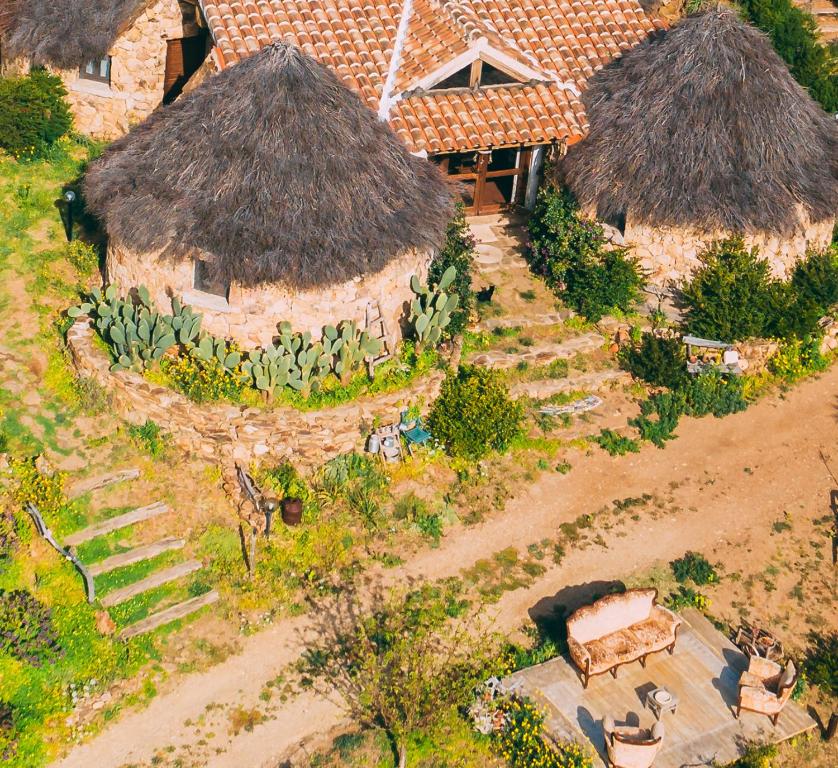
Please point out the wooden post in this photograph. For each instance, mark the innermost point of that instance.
(832, 727)
(252, 558)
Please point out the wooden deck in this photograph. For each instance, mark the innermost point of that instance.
(703, 672)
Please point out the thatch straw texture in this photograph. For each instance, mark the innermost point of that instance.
(277, 171)
(704, 127)
(66, 33)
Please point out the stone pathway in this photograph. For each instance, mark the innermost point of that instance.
(541, 355)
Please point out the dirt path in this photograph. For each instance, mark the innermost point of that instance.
(724, 483)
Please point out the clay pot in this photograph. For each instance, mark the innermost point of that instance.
(292, 511)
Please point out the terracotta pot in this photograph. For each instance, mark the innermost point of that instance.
(292, 511)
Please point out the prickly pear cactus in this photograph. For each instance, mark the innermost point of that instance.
(430, 311)
(269, 369)
(354, 346)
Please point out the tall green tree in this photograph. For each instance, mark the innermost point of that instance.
(399, 661)
(794, 34)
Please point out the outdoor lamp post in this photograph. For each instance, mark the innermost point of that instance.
(269, 506)
(70, 198)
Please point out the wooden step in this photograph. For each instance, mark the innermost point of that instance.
(168, 615)
(135, 555)
(101, 481)
(150, 582)
(115, 523)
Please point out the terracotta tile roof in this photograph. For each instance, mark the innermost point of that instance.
(559, 44)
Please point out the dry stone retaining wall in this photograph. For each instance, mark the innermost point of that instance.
(234, 432)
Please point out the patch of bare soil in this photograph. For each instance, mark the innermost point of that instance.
(720, 489)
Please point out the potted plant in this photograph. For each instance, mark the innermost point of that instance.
(291, 489)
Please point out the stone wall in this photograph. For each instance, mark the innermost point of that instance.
(137, 70)
(250, 316)
(233, 432)
(671, 255)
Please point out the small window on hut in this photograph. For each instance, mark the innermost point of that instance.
(98, 70)
(204, 282)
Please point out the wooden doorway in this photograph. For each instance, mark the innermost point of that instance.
(490, 181)
(183, 58)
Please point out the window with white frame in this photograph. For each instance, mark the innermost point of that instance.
(98, 70)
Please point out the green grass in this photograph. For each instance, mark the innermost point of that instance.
(122, 577)
(141, 606)
(106, 545)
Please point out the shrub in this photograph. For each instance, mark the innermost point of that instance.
(816, 278)
(285, 481)
(523, 744)
(794, 34)
(657, 361)
(756, 756)
(26, 630)
(694, 567)
(729, 296)
(83, 256)
(474, 414)
(797, 358)
(457, 252)
(821, 662)
(204, 381)
(572, 255)
(711, 392)
(687, 597)
(615, 443)
(33, 114)
(150, 437)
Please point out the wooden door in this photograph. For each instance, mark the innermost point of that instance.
(183, 57)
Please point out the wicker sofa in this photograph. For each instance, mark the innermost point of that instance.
(619, 629)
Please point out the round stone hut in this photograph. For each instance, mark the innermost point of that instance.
(270, 193)
(699, 133)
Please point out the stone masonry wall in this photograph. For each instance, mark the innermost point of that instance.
(137, 70)
(251, 315)
(233, 432)
(671, 255)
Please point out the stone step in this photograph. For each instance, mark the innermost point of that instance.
(150, 582)
(525, 321)
(135, 555)
(168, 615)
(543, 355)
(101, 481)
(115, 523)
(584, 382)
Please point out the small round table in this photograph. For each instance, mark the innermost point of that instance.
(661, 700)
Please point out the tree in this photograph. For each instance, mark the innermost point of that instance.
(398, 661)
(794, 34)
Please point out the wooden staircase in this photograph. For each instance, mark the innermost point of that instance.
(166, 573)
(826, 15)
(377, 328)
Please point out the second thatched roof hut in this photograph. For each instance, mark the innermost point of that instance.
(701, 132)
(270, 193)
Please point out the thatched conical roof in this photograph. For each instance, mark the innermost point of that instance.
(277, 171)
(66, 33)
(703, 127)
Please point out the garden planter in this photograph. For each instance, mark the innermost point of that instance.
(292, 511)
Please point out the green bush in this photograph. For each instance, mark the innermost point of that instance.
(816, 278)
(474, 414)
(794, 34)
(821, 661)
(457, 252)
(572, 255)
(46, 492)
(615, 443)
(150, 437)
(657, 361)
(284, 481)
(687, 597)
(797, 358)
(26, 630)
(729, 296)
(694, 567)
(33, 114)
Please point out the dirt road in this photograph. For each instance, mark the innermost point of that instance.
(725, 482)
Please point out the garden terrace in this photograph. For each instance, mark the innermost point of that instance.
(703, 673)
